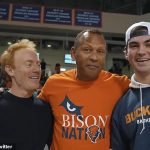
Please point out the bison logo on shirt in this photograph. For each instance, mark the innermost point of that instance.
(81, 126)
(94, 132)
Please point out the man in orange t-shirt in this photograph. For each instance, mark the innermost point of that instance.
(82, 99)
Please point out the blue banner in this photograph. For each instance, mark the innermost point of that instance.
(26, 13)
(88, 18)
(58, 16)
(4, 11)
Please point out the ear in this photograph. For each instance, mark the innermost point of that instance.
(9, 70)
(72, 52)
(126, 53)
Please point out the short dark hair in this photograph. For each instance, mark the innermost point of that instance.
(140, 30)
(137, 31)
(91, 30)
(57, 65)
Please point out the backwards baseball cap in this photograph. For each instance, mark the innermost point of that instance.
(137, 29)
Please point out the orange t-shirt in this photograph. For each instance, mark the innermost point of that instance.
(82, 110)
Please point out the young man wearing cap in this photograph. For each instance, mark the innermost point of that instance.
(131, 117)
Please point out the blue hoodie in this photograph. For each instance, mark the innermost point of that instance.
(130, 128)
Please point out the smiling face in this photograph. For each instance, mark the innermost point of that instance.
(90, 56)
(26, 72)
(138, 54)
